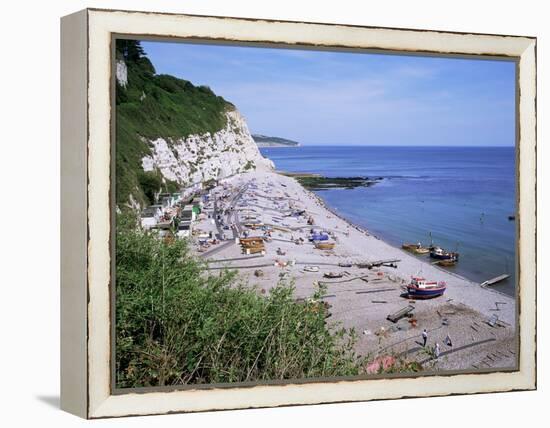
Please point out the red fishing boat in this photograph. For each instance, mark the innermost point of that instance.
(419, 288)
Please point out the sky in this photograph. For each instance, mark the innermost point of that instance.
(346, 98)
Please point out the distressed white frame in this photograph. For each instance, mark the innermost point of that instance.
(86, 388)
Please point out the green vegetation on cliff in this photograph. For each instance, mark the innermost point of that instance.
(154, 106)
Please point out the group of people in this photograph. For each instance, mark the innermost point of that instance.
(437, 348)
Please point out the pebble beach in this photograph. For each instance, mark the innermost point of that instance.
(480, 321)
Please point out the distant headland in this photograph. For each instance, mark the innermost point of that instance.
(265, 141)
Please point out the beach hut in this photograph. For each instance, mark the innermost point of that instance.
(150, 216)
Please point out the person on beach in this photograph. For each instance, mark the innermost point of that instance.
(437, 351)
(424, 337)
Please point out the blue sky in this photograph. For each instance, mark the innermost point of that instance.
(320, 97)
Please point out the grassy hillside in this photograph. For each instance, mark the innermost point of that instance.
(152, 106)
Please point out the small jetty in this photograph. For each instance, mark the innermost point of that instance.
(495, 280)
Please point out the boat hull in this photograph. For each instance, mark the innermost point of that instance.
(446, 262)
(425, 293)
(415, 248)
(421, 250)
(445, 256)
(324, 245)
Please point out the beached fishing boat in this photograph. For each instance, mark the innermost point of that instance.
(254, 250)
(441, 254)
(416, 248)
(324, 245)
(419, 288)
(345, 264)
(311, 268)
(333, 275)
(251, 242)
(446, 262)
(318, 237)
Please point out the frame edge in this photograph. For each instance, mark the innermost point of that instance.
(74, 219)
(525, 379)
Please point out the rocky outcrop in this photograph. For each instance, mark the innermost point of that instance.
(121, 73)
(199, 158)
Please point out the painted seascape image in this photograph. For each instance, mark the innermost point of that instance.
(285, 215)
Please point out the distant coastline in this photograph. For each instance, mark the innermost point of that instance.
(266, 141)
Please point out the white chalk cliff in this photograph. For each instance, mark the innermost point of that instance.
(122, 73)
(198, 158)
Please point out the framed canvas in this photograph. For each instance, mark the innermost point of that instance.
(262, 213)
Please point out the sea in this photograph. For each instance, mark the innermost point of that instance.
(460, 197)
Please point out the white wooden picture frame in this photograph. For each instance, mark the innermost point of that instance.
(86, 210)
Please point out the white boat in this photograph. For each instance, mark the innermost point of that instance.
(311, 268)
(420, 288)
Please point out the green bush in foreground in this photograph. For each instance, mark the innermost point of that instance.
(177, 323)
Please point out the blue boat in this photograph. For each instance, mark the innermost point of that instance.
(318, 237)
(419, 288)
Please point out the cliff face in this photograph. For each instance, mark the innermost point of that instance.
(171, 134)
(200, 157)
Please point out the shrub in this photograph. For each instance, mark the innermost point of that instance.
(177, 323)
(150, 183)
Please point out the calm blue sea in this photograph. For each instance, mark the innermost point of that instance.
(462, 195)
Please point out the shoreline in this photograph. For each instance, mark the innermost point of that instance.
(362, 298)
(364, 230)
(429, 190)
